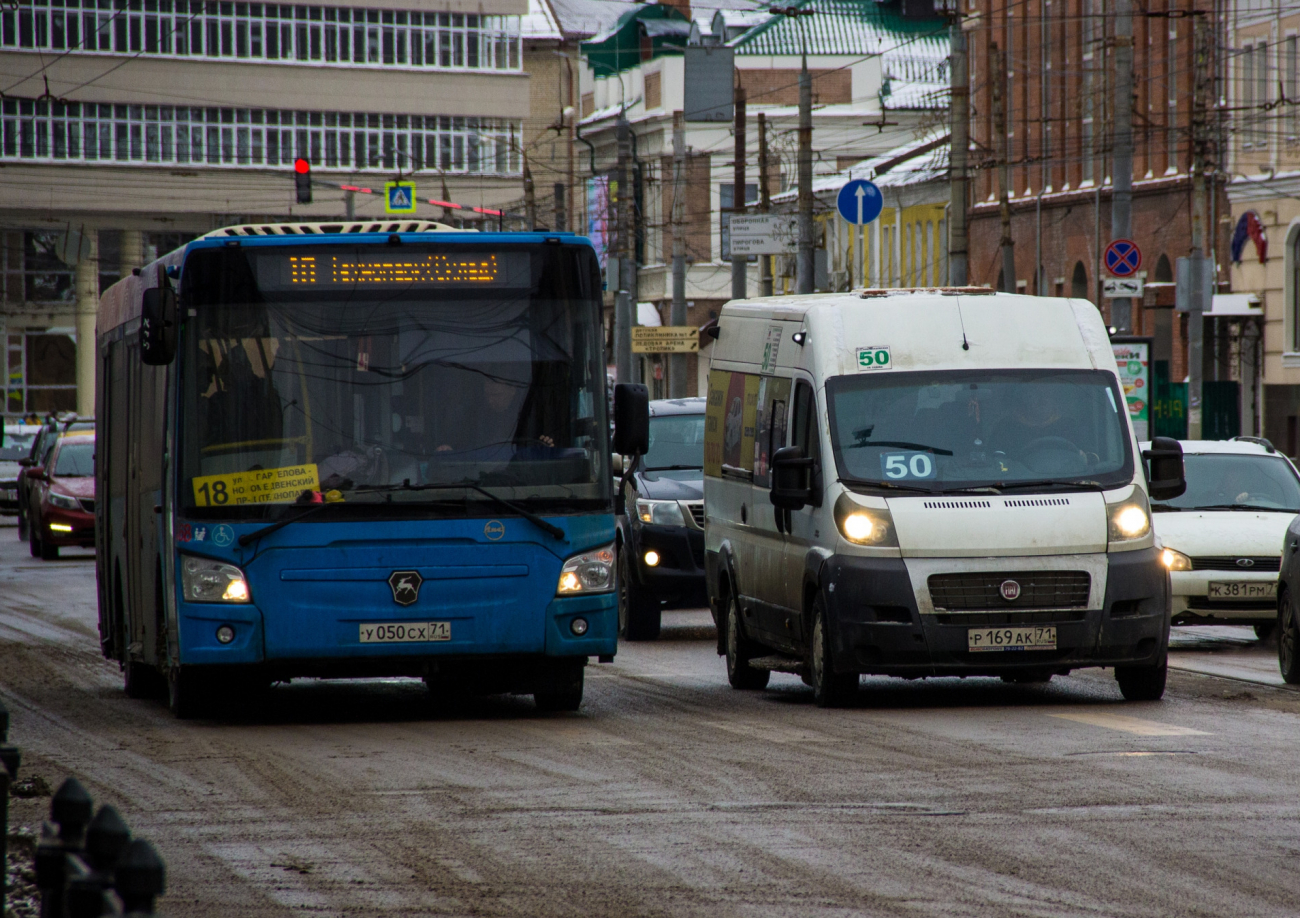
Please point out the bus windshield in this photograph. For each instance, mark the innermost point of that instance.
(398, 369)
(954, 430)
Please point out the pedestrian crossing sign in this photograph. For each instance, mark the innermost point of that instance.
(399, 197)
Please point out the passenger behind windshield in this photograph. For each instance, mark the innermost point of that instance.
(980, 428)
(1227, 481)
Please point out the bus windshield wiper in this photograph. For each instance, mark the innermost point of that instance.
(672, 468)
(549, 528)
(249, 538)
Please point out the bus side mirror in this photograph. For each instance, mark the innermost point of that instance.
(1165, 464)
(158, 326)
(791, 478)
(631, 419)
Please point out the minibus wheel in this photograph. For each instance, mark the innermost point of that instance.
(740, 651)
(1143, 683)
(830, 689)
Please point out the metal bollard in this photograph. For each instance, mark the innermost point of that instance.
(90, 876)
(70, 810)
(141, 878)
(9, 761)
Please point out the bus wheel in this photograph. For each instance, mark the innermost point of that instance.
(565, 696)
(187, 693)
(1142, 683)
(830, 689)
(140, 680)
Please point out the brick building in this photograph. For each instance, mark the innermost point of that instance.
(1054, 61)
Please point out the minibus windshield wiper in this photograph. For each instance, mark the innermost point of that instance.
(902, 444)
(549, 528)
(1080, 484)
(888, 485)
(671, 468)
(1242, 507)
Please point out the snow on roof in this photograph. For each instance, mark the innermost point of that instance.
(584, 18)
(539, 23)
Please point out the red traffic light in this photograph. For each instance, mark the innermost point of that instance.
(301, 166)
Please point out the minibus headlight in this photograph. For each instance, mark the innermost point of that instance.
(865, 525)
(206, 580)
(660, 512)
(589, 572)
(1175, 560)
(1130, 519)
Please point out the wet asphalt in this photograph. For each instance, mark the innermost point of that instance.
(671, 794)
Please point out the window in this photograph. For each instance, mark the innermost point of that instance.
(46, 131)
(1248, 93)
(1293, 87)
(270, 32)
(1293, 282)
(1079, 282)
(1263, 94)
(1164, 273)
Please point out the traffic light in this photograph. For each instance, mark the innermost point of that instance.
(302, 179)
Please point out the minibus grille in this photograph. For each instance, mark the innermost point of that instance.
(977, 591)
(1238, 565)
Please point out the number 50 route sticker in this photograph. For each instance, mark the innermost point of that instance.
(874, 358)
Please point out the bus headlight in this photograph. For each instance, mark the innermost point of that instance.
(1130, 519)
(1175, 560)
(589, 572)
(206, 580)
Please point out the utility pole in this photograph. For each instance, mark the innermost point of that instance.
(959, 108)
(764, 204)
(530, 198)
(561, 217)
(677, 316)
(805, 263)
(626, 249)
(1121, 207)
(739, 280)
(350, 205)
(1200, 236)
(998, 81)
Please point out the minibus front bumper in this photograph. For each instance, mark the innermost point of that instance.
(877, 626)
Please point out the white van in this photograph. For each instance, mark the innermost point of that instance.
(929, 483)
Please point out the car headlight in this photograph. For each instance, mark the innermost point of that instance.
(865, 525)
(660, 512)
(64, 501)
(590, 572)
(1129, 520)
(206, 580)
(1175, 560)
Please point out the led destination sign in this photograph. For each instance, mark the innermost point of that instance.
(351, 269)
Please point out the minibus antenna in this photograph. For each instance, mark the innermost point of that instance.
(962, 319)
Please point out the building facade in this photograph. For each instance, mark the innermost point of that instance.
(129, 126)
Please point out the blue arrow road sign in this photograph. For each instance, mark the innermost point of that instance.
(859, 202)
(1123, 258)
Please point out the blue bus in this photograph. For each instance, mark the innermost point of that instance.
(358, 450)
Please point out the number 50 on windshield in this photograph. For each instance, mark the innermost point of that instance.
(908, 464)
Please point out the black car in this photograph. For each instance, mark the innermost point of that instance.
(661, 534)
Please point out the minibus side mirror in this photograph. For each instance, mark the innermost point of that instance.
(791, 478)
(158, 326)
(1165, 468)
(631, 419)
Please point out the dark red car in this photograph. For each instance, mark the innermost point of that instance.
(62, 509)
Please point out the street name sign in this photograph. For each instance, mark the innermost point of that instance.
(764, 234)
(1123, 258)
(399, 197)
(1122, 287)
(665, 339)
(859, 202)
